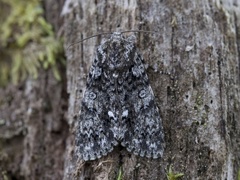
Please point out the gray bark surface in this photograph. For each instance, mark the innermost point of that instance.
(33, 127)
(193, 66)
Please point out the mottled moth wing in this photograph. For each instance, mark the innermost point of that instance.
(95, 135)
(144, 135)
(118, 105)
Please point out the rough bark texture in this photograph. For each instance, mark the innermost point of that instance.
(33, 126)
(193, 65)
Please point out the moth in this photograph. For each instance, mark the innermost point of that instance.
(118, 105)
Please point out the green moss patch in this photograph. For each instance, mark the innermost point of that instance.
(27, 41)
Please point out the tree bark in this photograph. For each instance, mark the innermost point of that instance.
(33, 126)
(193, 66)
(193, 61)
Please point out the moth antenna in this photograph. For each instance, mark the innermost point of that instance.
(139, 31)
(108, 33)
(89, 37)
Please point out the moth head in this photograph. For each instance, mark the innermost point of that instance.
(118, 50)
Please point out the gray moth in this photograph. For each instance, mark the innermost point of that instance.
(118, 105)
